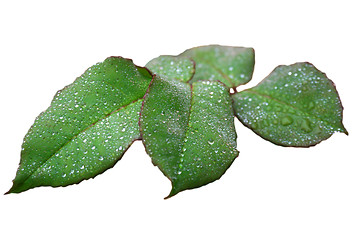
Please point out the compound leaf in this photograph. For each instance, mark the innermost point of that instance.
(87, 128)
(295, 105)
(188, 131)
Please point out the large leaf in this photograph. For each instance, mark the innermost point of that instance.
(87, 128)
(295, 105)
(179, 68)
(233, 66)
(188, 131)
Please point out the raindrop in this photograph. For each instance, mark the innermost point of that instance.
(287, 120)
(306, 125)
(311, 105)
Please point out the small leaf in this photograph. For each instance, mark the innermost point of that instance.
(188, 131)
(295, 105)
(87, 128)
(233, 66)
(179, 68)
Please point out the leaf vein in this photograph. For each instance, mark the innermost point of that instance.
(82, 131)
(290, 106)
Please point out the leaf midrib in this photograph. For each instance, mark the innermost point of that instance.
(82, 131)
(200, 133)
(216, 69)
(291, 106)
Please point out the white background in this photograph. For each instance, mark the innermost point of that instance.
(270, 192)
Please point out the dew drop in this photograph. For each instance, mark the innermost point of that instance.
(286, 121)
(306, 125)
(311, 105)
(317, 129)
(211, 142)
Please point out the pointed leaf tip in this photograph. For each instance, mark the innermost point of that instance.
(87, 128)
(188, 131)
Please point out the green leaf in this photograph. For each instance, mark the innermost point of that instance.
(87, 128)
(179, 68)
(233, 66)
(295, 105)
(188, 131)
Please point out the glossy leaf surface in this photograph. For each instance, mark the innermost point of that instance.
(87, 128)
(188, 131)
(179, 68)
(295, 105)
(233, 66)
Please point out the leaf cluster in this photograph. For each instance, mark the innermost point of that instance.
(182, 110)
